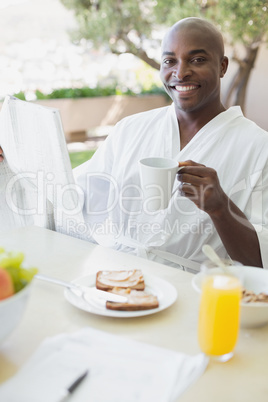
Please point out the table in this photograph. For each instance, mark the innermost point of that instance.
(48, 313)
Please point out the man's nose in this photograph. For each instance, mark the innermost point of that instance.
(181, 71)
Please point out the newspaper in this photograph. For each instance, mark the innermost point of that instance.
(120, 370)
(36, 180)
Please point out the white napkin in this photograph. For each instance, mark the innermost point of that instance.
(120, 370)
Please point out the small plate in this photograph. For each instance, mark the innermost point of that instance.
(165, 292)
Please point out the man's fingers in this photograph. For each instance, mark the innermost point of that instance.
(199, 170)
(189, 163)
(194, 174)
(187, 189)
(191, 179)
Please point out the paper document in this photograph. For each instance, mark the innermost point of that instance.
(36, 180)
(120, 370)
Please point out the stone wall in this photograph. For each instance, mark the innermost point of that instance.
(80, 117)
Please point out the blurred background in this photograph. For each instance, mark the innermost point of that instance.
(36, 52)
(64, 53)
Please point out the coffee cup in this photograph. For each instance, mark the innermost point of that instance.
(157, 179)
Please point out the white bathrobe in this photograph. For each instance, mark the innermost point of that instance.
(113, 204)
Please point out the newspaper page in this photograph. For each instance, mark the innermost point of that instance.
(36, 180)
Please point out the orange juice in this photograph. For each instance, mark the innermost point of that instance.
(219, 314)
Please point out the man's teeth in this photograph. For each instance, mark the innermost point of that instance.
(184, 89)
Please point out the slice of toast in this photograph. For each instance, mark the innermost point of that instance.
(137, 300)
(107, 280)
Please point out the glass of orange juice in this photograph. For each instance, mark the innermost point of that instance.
(219, 314)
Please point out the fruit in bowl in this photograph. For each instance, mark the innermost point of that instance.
(15, 284)
(6, 284)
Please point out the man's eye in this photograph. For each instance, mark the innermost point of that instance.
(198, 60)
(168, 61)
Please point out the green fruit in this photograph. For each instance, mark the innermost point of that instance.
(12, 262)
(11, 259)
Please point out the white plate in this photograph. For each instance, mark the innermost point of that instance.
(165, 292)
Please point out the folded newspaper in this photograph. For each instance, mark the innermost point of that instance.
(120, 370)
(36, 180)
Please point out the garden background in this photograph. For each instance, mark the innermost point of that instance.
(41, 59)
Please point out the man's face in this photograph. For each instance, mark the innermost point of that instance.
(191, 68)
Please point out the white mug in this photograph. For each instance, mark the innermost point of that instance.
(157, 180)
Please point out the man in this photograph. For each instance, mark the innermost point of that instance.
(223, 190)
(223, 195)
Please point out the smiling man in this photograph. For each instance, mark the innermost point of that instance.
(192, 65)
(223, 195)
(223, 184)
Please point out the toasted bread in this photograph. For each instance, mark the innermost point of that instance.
(137, 300)
(107, 280)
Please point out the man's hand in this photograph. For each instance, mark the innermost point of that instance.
(1, 155)
(201, 185)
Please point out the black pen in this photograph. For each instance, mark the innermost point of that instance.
(67, 392)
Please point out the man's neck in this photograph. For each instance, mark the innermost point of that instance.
(191, 123)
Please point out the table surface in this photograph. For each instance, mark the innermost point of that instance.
(48, 313)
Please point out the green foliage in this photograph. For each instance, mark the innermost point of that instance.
(40, 95)
(110, 20)
(128, 26)
(86, 92)
(77, 158)
(20, 95)
(246, 21)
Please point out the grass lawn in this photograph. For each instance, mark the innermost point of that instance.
(77, 158)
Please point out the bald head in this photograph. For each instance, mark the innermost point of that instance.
(200, 26)
(192, 65)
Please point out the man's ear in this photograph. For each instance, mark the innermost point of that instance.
(224, 66)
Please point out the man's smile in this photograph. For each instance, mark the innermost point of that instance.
(183, 88)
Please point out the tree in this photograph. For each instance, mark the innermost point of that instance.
(128, 26)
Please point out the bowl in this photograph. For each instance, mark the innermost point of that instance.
(11, 311)
(253, 314)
